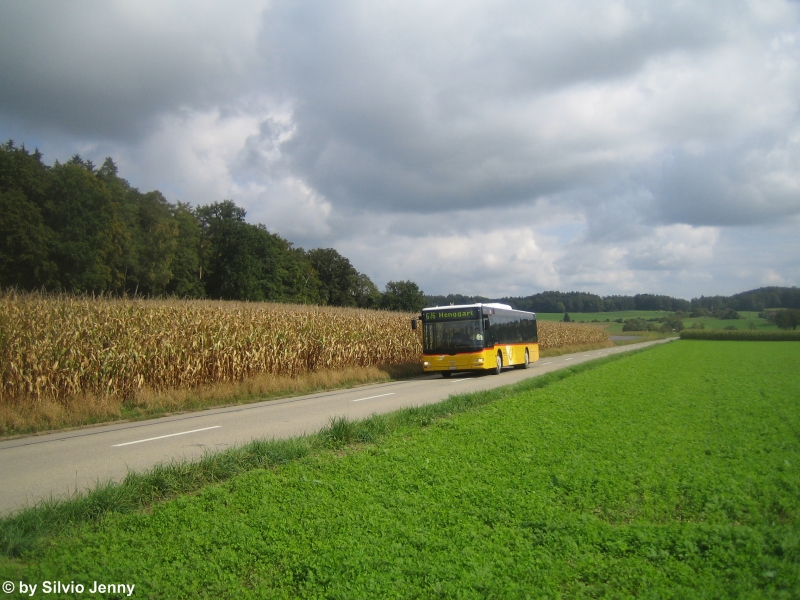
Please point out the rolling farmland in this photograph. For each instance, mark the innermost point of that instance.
(669, 473)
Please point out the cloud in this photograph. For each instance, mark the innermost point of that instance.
(405, 108)
(614, 146)
(112, 69)
(502, 261)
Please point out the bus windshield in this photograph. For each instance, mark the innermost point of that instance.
(452, 336)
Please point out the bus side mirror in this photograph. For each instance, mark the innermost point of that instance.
(413, 323)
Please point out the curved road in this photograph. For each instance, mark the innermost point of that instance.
(58, 464)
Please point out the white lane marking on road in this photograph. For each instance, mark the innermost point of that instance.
(161, 437)
(547, 363)
(371, 397)
(456, 380)
(573, 358)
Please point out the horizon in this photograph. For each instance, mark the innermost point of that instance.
(493, 298)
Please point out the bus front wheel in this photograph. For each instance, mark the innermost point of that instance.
(499, 366)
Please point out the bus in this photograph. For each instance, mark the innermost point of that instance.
(477, 337)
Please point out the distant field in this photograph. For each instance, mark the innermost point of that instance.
(612, 327)
(672, 473)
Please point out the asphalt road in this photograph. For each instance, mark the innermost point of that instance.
(59, 464)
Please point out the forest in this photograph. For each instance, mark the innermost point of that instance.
(584, 302)
(82, 229)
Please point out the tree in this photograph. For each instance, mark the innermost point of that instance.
(186, 269)
(637, 324)
(566, 318)
(25, 243)
(788, 318)
(240, 261)
(89, 236)
(367, 293)
(673, 323)
(402, 296)
(339, 278)
(238, 258)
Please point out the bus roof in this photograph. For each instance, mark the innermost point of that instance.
(495, 305)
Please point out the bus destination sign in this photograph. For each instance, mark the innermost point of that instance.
(457, 314)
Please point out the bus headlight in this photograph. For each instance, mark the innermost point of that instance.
(426, 365)
(478, 361)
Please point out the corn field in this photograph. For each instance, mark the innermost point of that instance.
(555, 334)
(55, 347)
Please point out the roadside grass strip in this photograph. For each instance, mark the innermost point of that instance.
(668, 473)
(740, 335)
(25, 530)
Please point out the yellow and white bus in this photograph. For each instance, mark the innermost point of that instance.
(477, 337)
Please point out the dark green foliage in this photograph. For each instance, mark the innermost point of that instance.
(403, 296)
(367, 293)
(341, 284)
(672, 323)
(25, 243)
(88, 234)
(753, 300)
(740, 335)
(245, 262)
(337, 275)
(82, 229)
(787, 319)
(639, 325)
(186, 267)
(566, 318)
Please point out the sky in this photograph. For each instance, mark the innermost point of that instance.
(495, 148)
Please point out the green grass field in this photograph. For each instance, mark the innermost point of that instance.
(670, 473)
(616, 328)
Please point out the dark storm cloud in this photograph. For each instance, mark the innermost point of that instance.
(606, 144)
(107, 70)
(426, 109)
(755, 183)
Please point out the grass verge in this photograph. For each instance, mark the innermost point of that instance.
(741, 335)
(25, 530)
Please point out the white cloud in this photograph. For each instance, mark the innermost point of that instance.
(497, 262)
(615, 146)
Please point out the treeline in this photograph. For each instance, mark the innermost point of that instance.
(78, 228)
(560, 302)
(753, 300)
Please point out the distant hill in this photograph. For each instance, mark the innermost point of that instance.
(766, 297)
(554, 302)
